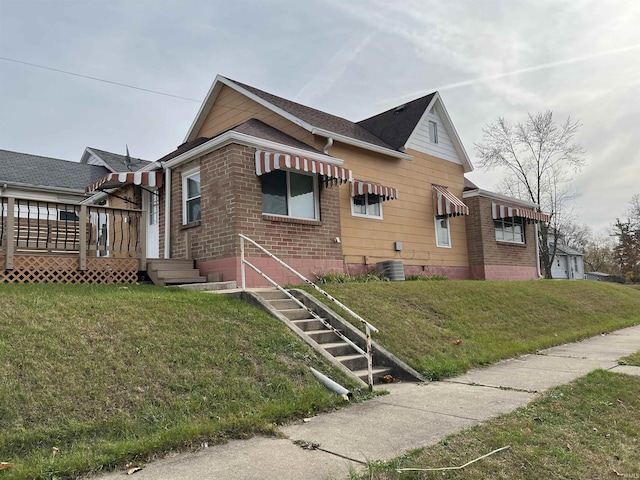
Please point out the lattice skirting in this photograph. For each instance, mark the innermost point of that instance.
(60, 269)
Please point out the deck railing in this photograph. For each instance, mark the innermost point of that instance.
(62, 229)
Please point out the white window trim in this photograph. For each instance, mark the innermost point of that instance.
(364, 215)
(435, 132)
(437, 227)
(316, 198)
(512, 222)
(185, 176)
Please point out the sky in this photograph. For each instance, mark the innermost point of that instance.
(487, 58)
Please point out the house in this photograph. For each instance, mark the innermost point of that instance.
(327, 194)
(567, 263)
(322, 193)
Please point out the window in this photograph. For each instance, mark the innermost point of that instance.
(510, 229)
(68, 216)
(290, 194)
(154, 208)
(367, 205)
(433, 132)
(443, 238)
(191, 196)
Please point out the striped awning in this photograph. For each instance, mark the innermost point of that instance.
(267, 162)
(386, 193)
(446, 204)
(503, 211)
(115, 180)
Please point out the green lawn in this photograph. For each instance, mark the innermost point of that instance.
(589, 429)
(110, 374)
(443, 328)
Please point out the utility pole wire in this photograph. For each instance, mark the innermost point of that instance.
(99, 79)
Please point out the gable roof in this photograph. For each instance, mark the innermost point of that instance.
(27, 170)
(396, 125)
(113, 161)
(389, 132)
(315, 121)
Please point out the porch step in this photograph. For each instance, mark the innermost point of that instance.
(173, 272)
(353, 362)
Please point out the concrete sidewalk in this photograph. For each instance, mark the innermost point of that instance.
(411, 416)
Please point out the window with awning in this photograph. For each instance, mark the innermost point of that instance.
(446, 204)
(499, 211)
(267, 162)
(367, 198)
(116, 180)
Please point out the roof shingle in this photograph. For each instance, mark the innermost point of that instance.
(34, 170)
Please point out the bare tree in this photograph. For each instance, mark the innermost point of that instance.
(537, 156)
(598, 255)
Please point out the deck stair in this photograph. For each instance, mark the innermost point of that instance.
(329, 340)
(173, 272)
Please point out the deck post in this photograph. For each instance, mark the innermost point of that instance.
(10, 233)
(143, 240)
(83, 238)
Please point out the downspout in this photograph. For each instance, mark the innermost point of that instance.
(537, 251)
(167, 213)
(329, 144)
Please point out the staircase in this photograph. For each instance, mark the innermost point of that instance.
(173, 272)
(386, 367)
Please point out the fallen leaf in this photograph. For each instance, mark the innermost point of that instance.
(458, 342)
(133, 470)
(387, 379)
(5, 465)
(569, 448)
(55, 451)
(306, 420)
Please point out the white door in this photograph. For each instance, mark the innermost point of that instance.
(152, 206)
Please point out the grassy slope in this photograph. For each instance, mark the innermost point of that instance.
(109, 374)
(422, 321)
(588, 429)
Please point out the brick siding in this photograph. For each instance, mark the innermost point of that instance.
(231, 203)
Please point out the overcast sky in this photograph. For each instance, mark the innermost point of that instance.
(351, 58)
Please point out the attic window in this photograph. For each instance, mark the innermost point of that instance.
(433, 132)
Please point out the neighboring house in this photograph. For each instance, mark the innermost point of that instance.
(43, 178)
(567, 263)
(327, 194)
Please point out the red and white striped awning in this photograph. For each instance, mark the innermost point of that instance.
(446, 204)
(503, 211)
(386, 193)
(115, 180)
(267, 162)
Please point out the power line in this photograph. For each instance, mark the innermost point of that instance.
(99, 79)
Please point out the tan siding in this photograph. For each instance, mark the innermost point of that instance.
(232, 108)
(408, 219)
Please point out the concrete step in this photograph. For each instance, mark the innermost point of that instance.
(184, 280)
(296, 314)
(338, 348)
(274, 294)
(309, 324)
(322, 336)
(210, 286)
(353, 362)
(378, 372)
(283, 304)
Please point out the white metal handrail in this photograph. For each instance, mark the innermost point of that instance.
(368, 327)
